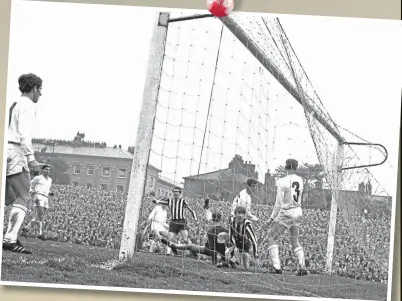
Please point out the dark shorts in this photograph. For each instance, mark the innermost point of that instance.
(177, 225)
(220, 249)
(243, 245)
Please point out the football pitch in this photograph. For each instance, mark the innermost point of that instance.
(64, 263)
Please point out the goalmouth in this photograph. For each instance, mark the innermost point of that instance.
(265, 39)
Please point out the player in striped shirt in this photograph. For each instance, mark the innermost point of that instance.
(286, 214)
(243, 199)
(242, 236)
(178, 222)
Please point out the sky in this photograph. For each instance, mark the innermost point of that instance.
(93, 60)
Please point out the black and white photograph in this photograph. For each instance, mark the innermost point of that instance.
(200, 152)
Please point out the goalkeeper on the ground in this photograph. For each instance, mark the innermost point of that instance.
(215, 245)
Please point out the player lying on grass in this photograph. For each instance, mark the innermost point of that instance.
(242, 236)
(287, 214)
(215, 246)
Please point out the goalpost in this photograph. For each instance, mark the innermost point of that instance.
(266, 44)
(144, 137)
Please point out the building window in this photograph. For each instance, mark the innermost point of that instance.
(105, 171)
(89, 185)
(75, 183)
(159, 191)
(103, 187)
(120, 188)
(121, 173)
(77, 169)
(91, 170)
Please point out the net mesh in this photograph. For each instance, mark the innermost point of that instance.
(223, 117)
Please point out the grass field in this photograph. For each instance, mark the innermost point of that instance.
(62, 263)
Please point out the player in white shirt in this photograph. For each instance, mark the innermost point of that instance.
(208, 212)
(20, 158)
(286, 214)
(243, 199)
(40, 191)
(157, 223)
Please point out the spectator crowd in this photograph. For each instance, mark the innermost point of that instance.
(77, 142)
(95, 217)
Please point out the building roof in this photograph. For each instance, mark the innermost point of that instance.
(108, 152)
(223, 174)
(168, 182)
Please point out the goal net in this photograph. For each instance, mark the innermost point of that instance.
(234, 103)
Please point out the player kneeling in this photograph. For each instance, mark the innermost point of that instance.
(242, 236)
(215, 246)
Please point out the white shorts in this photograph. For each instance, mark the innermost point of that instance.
(41, 201)
(156, 228)
(289, 217)
(16, 160)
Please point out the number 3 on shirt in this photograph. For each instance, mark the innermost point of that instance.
(296, 195)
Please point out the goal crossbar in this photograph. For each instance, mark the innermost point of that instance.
(277, 74)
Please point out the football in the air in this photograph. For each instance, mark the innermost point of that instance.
(220, 8)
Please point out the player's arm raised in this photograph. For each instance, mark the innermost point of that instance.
(191, 210)
(163, 201)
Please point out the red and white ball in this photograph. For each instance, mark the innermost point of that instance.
(220, 8)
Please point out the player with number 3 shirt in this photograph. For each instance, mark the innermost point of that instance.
(286, 214)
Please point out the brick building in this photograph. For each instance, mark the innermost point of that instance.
(165, 186)
(226, 183)
(104, 168)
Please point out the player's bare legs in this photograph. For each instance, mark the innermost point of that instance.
(298, 249)
(244, 260)
(158, 235)
(184, 236)
(10, 195)
(277, 230)
(194, 249)
(173, 246)
(165, 234)
(41, 211)
(173, 237)
(20, 184)
(25, 230)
